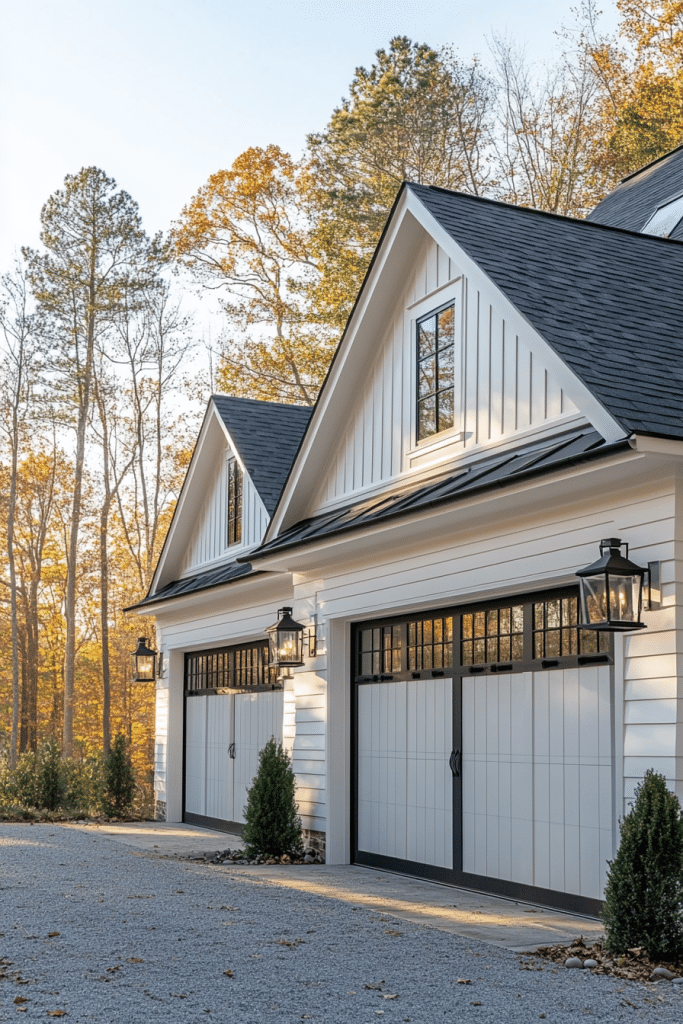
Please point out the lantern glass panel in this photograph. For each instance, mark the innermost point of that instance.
(145, 666)
(624, 597)
(286, 647)
(594, 599)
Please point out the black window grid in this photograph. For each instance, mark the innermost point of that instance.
(436, 372)
(243, 667)
(480, 638)
(556, 633)
(492, 635)
(430, 643)
(235, 489)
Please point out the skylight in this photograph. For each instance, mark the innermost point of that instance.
(664, 220)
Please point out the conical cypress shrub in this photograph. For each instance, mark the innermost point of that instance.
(119, 779)
(644, 895)
(272, 825)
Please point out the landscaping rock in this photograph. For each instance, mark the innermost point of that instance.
(662, 974)
(573, 961)
(590, 963)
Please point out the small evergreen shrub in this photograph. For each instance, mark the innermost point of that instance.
(50, 778)
(272, 825)
(644, 895)
(22, 785)
(83, 784)
(119, 779)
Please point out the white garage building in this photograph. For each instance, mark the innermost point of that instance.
(507, 393)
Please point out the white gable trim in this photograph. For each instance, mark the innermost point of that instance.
(192, 494)
(404, 236)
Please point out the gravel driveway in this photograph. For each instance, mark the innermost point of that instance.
(140, 938)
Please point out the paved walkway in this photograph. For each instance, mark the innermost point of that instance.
(513, 925)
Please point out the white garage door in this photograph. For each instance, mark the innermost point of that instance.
(405, 784)
(224, 734)
(537, 803)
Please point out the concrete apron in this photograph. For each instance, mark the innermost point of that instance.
(513, 925)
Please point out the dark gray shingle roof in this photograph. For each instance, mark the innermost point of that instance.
(532, 459)
(610, 302)
(203, 581)
(631, 204)
(267, 436)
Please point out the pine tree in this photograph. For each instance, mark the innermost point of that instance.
(119, 779)
(272, 825)
(644, 895)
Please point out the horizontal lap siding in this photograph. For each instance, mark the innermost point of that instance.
(501, 388)
(513, 556)
(307, 706)
(161, 743)
(218, 628)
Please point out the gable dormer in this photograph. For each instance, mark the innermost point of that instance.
(240, 463)
(543, 325)
(649, 200)
(452, 375)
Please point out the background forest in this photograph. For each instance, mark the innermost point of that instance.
(101, 397)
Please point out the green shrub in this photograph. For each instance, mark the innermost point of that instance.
(644, 895)
(119, 779)
(83, 784)
(272, 825)
(50, 777)
(23, 785)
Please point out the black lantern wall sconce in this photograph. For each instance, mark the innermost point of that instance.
(615, 591)
(288, 641)
(144, 661)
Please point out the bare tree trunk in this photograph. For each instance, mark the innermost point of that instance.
(72, 553)
(13, 599)
(104, 621)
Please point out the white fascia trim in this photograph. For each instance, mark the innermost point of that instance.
(657, 445)
(580, 394)
(341, 356)
(182, 497)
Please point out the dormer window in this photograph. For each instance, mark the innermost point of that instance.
(664, 220)
(435, 372)
(234, 502)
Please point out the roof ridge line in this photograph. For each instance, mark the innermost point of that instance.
(545, 213)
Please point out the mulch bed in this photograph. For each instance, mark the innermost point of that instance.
(634, 965)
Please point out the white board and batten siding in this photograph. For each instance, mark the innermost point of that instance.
(503, 389)
(208, 542)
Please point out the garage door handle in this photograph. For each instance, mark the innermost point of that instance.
(231, 750)
(455, 762)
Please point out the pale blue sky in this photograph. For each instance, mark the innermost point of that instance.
(161, 93)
